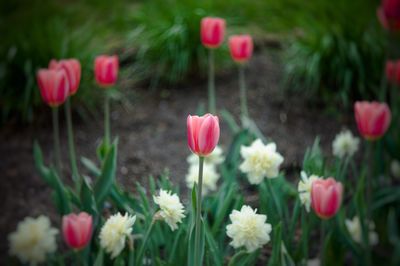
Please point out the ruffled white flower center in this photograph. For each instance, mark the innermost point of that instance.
(248, 229)
(114, 232)
(260, 161)
(171, 209)
(33, 240)
(345, 144)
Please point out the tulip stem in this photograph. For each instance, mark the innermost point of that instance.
(107, 120)
(56, 136)
(243, 92)
(71, 142)
(322, 240)
(197, 254)
(143, 246)
(211, 82)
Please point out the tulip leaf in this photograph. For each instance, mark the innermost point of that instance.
(91, 166)
(61, 194)
(43, 170)
(107, 177)
(213, 249)
(191, 250)
(87, 199)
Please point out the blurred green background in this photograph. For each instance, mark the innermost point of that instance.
(333, 51)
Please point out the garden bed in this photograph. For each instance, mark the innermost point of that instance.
(152, 136)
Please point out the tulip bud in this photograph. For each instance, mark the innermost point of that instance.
(392, 72)
(77, 229)
(326, 197)
(53, 85)
(373, 119)
(241, 48)
(106, 70)
(203, 133)
(212, 32)
(72, 68)
(389, 14)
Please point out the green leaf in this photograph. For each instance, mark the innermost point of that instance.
(91, 166)
(213, 249)
(43, 170)
(276, 250)
(87, 198)
(191, 253)
(61, 194)
(107, 177)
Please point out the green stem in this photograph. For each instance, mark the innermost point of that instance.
(211, 82)
(236, 257)
(304, 234)
(56, 136)
(197, 254)
(243, 92)
(143, 246)
(71, 142)
(322, 241)
(275, 199)
(107, 120)
(293, 223)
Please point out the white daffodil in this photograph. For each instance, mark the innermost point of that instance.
(304, 189)
(354, 228)
(114, 232)
(215, 158)
(248, 229)
(210, 177)
(171, 209)
(345, 144)
(260, 161)
(33, 240)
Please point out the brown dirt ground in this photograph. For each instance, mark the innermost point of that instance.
(152, 136)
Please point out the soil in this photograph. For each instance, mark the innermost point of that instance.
(151, 127)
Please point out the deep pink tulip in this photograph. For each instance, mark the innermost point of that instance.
(106, 70)
(53, 85)
(72, 68)
(393, 72)
(389, 14)
(203, 133)
(77, 229)
(241, 48)
(326, 197)
(373, 119)
(212, 32)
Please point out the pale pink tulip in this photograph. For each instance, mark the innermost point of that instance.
(77, 229)
(72, 68)
(106, 70)
(53, 85)
(373, 119)
(203, 133)
(212, 32)
(326, 197)
(241, 48)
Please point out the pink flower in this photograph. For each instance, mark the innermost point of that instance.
(389, 14)
(77, 229)
(212, 32)
(106, 70)
(72, 68)
(203, 133)
(393, 72)
(373, 119)
(241, 48)
(53, 85)
(326, 197)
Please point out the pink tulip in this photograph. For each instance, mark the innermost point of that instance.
(389, 14)
(72, 68)
(203, 133)
(393, 72)
(106, 70)
(77, 229)
(53, 85)
(241, 48)
(212, 32)
(326, 197)
(373, 119)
